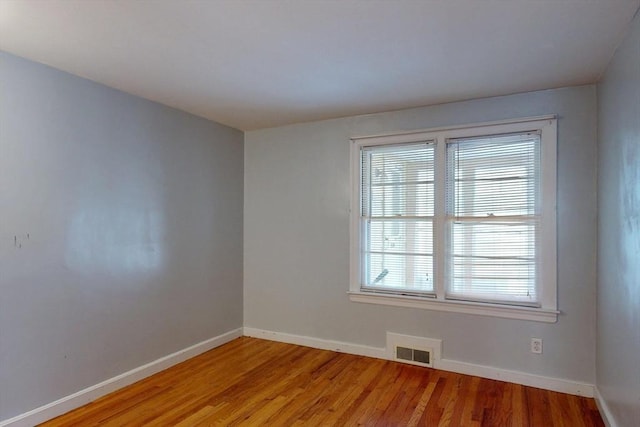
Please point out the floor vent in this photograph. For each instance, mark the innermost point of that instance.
(419, 351)
(422, 357)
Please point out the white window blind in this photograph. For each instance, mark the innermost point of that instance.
(492, 218)
(396, 217)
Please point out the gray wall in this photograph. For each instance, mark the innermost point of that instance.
(296, 247)
(127, 217)
(618, 350)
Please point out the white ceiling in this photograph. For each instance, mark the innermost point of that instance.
(252, 64)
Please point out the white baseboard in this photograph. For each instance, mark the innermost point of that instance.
(538, 381)
(604, 409)
(341, 347)
(516, 377)
(89, 394)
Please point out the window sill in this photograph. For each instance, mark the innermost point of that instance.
(482, 309)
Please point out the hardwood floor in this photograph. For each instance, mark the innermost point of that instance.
(254, 382)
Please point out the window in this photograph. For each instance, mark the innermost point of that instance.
(457, 219)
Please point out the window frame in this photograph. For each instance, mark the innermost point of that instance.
(546, 249)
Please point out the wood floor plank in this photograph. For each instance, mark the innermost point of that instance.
(422, 405)
(518, 405)
(252, 382)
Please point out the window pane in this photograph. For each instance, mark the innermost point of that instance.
(399, 255)
(493, 261)
(398, 181)
(494, 176)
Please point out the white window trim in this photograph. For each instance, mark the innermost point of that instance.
(548, 311)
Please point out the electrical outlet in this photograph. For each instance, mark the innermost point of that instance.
(536, 345)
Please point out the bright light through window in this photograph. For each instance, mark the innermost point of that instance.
(457, 215)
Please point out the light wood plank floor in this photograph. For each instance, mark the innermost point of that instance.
(253, 382)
